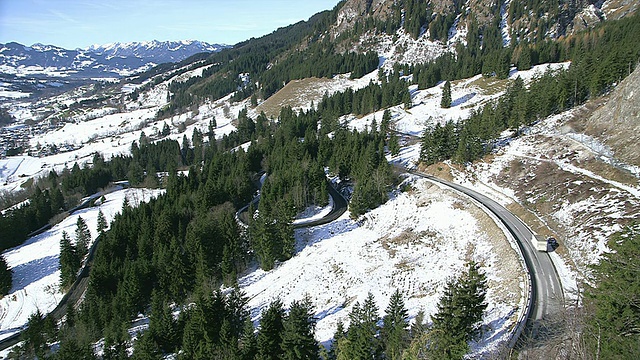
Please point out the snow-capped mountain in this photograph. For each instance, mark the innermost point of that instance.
(157, 51)
(110, 60)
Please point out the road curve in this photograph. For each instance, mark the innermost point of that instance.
(547, 298)
(338, 208)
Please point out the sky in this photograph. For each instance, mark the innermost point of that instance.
(75, 24)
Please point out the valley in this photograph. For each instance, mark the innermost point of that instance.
(192, 139)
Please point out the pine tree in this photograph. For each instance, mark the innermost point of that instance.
(445, 100)
(270, 332)
(144, 348)
(473, 289)
(362, 335)
(57, 200)
(83, 237)
(418, 328)
(162, 325)
(284, 214)
(394, 145)
(338, 337)
(298, 341)
(448, 338)
(39, 331)
(195, 342)
(102, 223)
(613, 325)
(71, 349)
(6, 277)
(69, 261)
(261, 234)
(166, 130)
(211, 133)
(248, 341)
(395, 325)
(459, 312)
(228, 348)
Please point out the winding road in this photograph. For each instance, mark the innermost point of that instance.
(338, 208)
(546, 298)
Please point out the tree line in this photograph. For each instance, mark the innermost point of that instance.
(600, 58)
(213, 324)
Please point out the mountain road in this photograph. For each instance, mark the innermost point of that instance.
(546, 297)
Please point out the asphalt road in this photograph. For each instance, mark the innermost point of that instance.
(546, 298)
(339, 207)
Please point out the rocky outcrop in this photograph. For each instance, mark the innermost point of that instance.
(617, 123)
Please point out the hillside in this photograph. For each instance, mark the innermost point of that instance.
(538, 119)
(581, 182)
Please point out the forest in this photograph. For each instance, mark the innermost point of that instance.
(175, 252)
(600, 59)
(188, 242)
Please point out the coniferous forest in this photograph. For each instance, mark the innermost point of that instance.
(169, 258)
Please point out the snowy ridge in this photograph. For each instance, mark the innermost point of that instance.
(109, 60)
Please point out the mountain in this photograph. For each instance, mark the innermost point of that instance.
(111, 60)
(487, 36)
(156, 51)
(333, 94)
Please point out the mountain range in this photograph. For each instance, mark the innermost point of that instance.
(541, 118)
(97, 61)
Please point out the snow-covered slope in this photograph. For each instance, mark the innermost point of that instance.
(415, 243)
(36, 276)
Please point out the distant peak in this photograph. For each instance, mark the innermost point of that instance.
(152, 44)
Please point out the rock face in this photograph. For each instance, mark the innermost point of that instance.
(111, 60)
(617, 123)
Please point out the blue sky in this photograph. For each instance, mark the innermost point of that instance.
(80, 23)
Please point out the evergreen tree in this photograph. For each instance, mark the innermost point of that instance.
(57, 200)
(71, 349)
(339, 337)
(6, 275)
(166, 130)
(196, 344)
(116, 341)
(298, 341)
(613, 324)
(473, 292)
(39, 331)
(69, 261)
(418, 328)
(83, 237)
(270, 332)
(459, 312)
(362, 335)
(228, 348)
(248, 341)
(394, 145)
(162, 325)
(445, 100)
(102, 223)
(144, 348)
(448, 340)
(395, 325)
